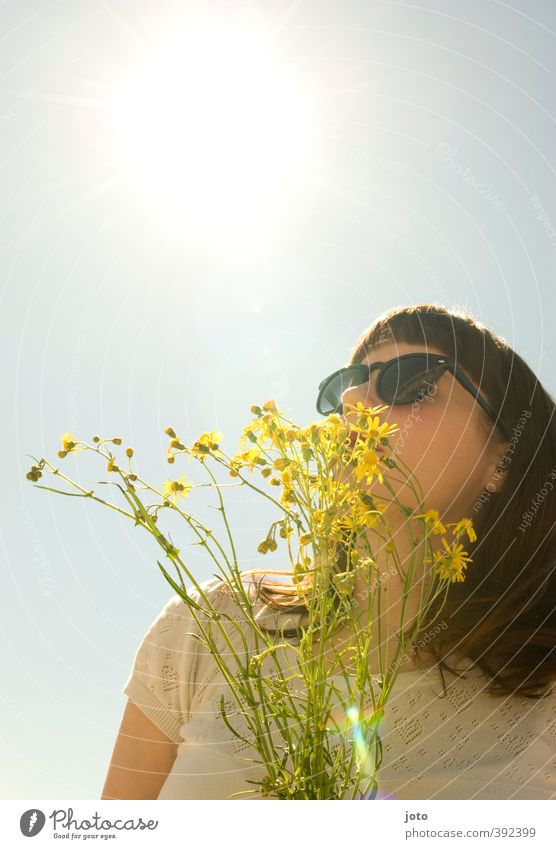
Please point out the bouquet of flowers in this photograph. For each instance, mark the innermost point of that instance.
(314, 741)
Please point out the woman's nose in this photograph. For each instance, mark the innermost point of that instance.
(362, 393)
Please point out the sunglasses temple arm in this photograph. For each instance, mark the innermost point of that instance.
(478, 397)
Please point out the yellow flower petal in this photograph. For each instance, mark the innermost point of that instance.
(180, 488)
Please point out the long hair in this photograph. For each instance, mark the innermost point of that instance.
(503, 616)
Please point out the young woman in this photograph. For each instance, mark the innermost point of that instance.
(472, 714)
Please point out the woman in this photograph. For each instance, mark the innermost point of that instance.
(472, 713)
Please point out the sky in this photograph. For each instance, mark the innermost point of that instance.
(202, 207)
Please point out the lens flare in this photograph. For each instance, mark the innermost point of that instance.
(356, 723)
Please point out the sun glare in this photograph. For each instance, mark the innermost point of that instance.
(215, 134)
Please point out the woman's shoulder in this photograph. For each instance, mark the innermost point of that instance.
(231, 598)
(203, 600)
(228, 610)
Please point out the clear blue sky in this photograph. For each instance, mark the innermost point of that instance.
(219, 243)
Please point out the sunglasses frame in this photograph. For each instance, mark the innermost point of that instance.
(435, 360)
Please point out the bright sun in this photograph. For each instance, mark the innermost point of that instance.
(215, 133)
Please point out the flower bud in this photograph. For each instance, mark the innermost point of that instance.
(129, 452)
(62, 454)
(96, 438)
(254, 666)
(170, 432)
(344, 582)
(117, 440)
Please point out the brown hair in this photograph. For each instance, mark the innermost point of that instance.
(503, 616)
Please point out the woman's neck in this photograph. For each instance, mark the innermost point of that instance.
(380, 588)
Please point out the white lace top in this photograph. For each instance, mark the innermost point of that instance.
(439, 742)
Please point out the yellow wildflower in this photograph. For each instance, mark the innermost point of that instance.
(362, 410)
(376, 430)
(335, 420)
(464, 526)
(249, 433)
(206, 443)
(358, 517)
(247, 458)
(335, 429)
(368, 467)
(451, 563)
(287, 479)
(311, 434)
(180, 488)
(432, 521)
(318, 516)
(68, 441)
(344, 582)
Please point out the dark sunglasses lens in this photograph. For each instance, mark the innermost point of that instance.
(330, 400)
(407, 381)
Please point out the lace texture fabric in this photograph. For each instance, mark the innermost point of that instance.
(451, 741)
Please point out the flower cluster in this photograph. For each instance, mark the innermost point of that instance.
(451, 562)
(330, 522)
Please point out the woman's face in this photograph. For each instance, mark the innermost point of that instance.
(443, 440)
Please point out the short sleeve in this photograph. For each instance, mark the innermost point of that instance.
(162, 679)
(174, 669)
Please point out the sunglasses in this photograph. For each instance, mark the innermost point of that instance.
(402, 380)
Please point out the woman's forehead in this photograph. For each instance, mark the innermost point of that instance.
(390, 350)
